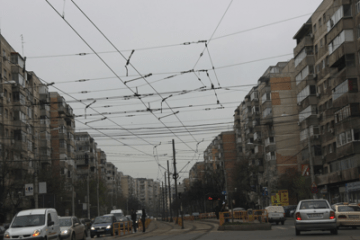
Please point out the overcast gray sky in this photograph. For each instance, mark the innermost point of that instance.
(156, 30)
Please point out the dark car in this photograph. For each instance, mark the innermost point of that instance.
(103, 225)
(86, 222)
(288, 210)
(2, 231)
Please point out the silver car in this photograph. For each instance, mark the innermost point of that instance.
(314, 215)
(71, 229)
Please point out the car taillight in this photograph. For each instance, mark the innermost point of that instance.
(297, 216)
(284, 214)
(332, 215)
(342, 216)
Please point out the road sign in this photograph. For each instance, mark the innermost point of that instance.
(265, 191)
(314, 190)
(313, 185)
(223, 192)
(29, 189)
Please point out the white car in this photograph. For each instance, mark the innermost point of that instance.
(34, 224)
(71, 228)
(275, 214)
(315, 215)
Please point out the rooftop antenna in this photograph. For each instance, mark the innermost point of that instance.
(22, 44)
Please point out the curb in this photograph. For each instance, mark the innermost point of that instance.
(247, 227)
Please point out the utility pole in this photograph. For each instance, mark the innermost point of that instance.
(169, 185)
(88, 193)
(312, 176)
(163, 200)
(175, 177)
(73, 193)
(36, 186)
(97, 190)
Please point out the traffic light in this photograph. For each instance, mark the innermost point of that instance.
(213, 196)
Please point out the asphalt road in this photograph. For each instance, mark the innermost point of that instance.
(201, 230)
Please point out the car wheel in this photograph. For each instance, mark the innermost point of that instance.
(282, 222)
(73, 237)
(297, 232)
(92, 236)
(277, 223)
(334, 231)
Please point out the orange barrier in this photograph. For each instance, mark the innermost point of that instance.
(124, 227)
(140, 224)
(246, 216)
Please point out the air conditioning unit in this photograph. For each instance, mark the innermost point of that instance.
(318, 94)
(311, 35)
(8, 100)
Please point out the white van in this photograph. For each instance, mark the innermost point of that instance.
(275, 214)
(118, 213)
(34, 224)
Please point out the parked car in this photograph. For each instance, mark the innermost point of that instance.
(288, 210)
(2, 231)
(347, 216)
(34, 224)
(314, 215)
(86, 222)
(275, 214)
(71, 228)
(102, 225)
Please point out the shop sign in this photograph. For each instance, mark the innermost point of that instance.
(353, 186)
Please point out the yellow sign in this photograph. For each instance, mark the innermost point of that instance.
(281, 198)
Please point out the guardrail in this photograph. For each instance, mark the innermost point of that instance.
(245, 216)
(126, 227)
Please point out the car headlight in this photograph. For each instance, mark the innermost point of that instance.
(6, 235)
(65, 232)
(108, 227)
(92, 228)
(36, 233)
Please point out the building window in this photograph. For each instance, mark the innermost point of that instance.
(267, 112)
(305, 52)
(343, 11)
(307, 91)
(320, 22)
(304, 73)
(316, 48)
(347, 137)
(307, 112)
(344, 36)
(349, 85)
(357, 6)
(350, 60)
(315, 29)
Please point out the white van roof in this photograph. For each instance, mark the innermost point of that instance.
(116, 211)
(35, 211)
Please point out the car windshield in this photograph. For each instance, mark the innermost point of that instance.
(103, 219)
(65, 222)
(29, 220)
(314, 205)
(348, 209)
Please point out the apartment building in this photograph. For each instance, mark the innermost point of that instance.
(111, 172)
(62, 127)
(220, 155)
(327, 75)
(266, 129)
(128, 186)
(86, 154)
(197, 172)
(101, 158)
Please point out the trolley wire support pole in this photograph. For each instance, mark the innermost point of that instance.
(311, 160)
(175, 176)
(166, 201)
(169, 185)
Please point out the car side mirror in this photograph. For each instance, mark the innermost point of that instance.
(51, 223)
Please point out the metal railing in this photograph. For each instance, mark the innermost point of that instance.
(259, 215)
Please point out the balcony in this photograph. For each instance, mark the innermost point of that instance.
(305, 42)
(348, 150)
(308, 60)
(338, 56)
(340, 176)
(344, 23)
